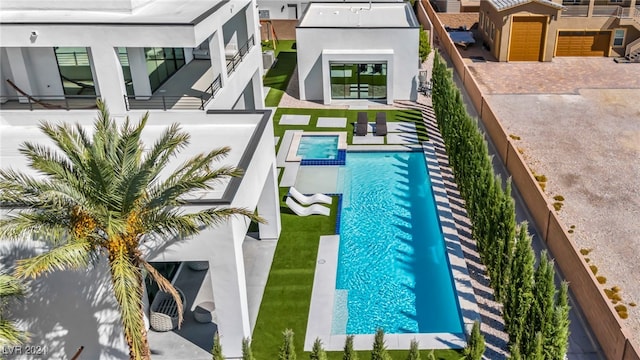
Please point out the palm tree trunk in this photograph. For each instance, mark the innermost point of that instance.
(130, 302)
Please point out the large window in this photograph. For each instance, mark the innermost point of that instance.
(618, 37)
(358, 81)
(162, 63)
(75, 70)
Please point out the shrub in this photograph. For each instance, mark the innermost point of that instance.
(317, 352)
(414, 352)
(287, 351)
(557, 205)
(424, 48)
(601, 279)
(379, 351)
(349, 353)
(217, 348)
(514, 137)
(247, 354)
(558, 198)
(475, 346)
(585, 251)
(594, 269)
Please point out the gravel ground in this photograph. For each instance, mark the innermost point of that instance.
(581, 129)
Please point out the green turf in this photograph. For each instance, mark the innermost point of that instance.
(287, 295)
(413, 116)
(277, 78)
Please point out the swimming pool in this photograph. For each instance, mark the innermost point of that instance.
(318, 147)
(393, 271)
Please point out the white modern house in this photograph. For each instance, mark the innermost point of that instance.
(358, 51)
(186, 61)
(127, 51)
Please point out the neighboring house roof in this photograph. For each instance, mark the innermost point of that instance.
(501, 5)
(359, 15)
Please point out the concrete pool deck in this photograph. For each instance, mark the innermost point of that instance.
(324, 295)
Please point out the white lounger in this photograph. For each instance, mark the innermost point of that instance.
(315, 209)
(308, 200)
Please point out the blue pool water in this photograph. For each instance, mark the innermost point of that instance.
(318, 147)
(393, 271)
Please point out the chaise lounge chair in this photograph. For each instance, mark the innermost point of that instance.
(362, 124)
(315, 209)
(308, 200)
(381, 124)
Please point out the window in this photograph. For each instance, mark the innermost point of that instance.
(618, 37)
(486, 24)
(481, 22)
(263, 14)
(493, 31)
(358, 81)
(75, 70)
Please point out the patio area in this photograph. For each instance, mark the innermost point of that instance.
(194, 339)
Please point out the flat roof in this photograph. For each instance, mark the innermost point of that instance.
(359, 15)
(154, 12)
(241, 131)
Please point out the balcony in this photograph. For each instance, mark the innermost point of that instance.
(234, 60)
(48, 102)
(188, 89)
(161, 101)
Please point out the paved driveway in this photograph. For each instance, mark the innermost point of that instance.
(579, 123)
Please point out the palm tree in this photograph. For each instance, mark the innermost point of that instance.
(101, 196)
(10, 288)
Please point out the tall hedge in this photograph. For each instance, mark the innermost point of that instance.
(535, 312)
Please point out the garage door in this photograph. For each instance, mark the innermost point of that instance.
(527, 38)
(583, 43)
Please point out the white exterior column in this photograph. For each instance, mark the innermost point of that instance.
(139, 74)
(216, 53)
(109, 78)
(230, 289)
(19, 71)
(269, 207)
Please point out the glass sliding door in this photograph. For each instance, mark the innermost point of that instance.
(162, 63)
(358, 80)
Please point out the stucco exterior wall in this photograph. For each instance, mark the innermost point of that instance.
(504, 19)
(401, 42)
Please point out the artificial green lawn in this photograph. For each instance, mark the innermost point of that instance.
(287, 295)
(277, 78)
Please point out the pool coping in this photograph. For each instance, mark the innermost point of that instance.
(295, 142)
(323, 292)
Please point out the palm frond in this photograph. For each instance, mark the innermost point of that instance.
(10, 335)
(10, 286)
(166, 286)
(126, 279)
(25, 225)
(74, 255)
(170, 224)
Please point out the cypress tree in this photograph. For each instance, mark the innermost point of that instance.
(379, 351)
(317, 352)
(507, 231)
(217, 348)
(520, 289)
(349, 353)
(475, 345)
(414, 352)
(287, 350)
(545, 301)
(560, 336)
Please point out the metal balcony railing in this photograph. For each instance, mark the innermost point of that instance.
(48, 102)
(236, 59)
(174, 102)
(575, 10)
